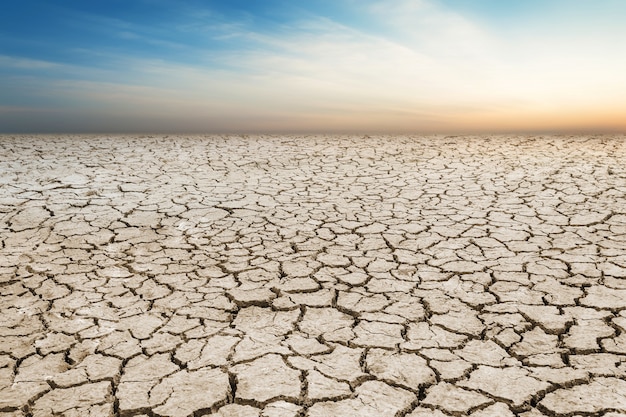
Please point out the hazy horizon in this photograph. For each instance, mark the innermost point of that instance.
(347, 66)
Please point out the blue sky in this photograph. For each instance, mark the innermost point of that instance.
(318, 65)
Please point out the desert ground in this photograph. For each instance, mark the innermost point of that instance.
(284, 276)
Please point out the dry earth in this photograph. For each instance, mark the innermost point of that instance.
(312, 276)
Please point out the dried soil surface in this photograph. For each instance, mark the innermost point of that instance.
(321, 276)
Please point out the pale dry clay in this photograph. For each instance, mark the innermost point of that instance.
(284, 276)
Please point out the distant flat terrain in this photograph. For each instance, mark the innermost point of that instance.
(284, 276)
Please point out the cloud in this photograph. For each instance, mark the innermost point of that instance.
(22, 109)
(25, 63)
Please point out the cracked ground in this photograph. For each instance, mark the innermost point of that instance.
(312, 276)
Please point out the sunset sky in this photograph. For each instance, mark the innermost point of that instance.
(273, 66)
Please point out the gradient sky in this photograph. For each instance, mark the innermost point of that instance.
(313, 66)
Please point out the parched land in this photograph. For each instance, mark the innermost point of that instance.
(284, 276)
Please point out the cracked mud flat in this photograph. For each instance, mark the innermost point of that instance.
(312, 276)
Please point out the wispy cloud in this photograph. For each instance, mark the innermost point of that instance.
(22, 109)
(26, 63)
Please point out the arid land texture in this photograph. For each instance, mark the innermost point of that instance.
(284, 276)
